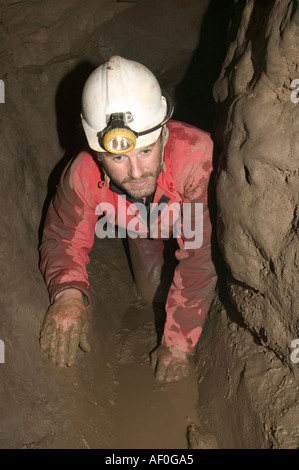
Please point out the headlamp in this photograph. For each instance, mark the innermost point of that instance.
(119, 138)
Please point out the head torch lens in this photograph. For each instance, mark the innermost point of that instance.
(120, 144)
(119, 141)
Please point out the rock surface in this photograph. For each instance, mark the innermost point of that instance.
(257, 195)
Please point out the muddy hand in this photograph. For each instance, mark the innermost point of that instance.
(170, 365)
(63, 330)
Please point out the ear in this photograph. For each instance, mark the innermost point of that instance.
(163, 141)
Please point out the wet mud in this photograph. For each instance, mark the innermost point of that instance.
(148, 415)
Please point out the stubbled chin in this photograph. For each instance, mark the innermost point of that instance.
(141, 192)
(137, 194)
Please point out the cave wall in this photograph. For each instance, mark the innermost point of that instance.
(257, 188)
(257, 229)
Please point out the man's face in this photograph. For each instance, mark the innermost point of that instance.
(136, 172)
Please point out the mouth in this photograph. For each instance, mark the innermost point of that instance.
(140, 183)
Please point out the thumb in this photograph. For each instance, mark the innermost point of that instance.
(84, 344)
(154, 358)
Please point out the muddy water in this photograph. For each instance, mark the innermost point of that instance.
(148, 415)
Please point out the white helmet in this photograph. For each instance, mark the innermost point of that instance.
(123, 107)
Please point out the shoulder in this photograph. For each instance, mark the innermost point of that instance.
(188, 147)
(84, 164)
(188, 157)
(82, 170)
(81, 178)
(188, 137)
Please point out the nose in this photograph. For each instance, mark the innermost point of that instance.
(135, 170)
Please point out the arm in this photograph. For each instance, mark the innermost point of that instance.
(194, 280)
(192, 289)
(68, 234)
(67, 238)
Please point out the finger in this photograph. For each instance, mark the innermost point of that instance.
(171, 374)
(53, 344)
(46, 334)
(62, 349)
(84, 344)
(176, 371)
(161, 371)
(74, 338)
(44, 342)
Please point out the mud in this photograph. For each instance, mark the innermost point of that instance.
(148, 415)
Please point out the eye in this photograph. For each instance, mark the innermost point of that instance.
(145, 152)
(118, 158)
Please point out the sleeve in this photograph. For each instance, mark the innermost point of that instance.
(194, 280)
(68, 234)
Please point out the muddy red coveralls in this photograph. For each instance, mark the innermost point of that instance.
(83, 196)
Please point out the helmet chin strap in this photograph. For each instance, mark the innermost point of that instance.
(106, 177)
(164, 138)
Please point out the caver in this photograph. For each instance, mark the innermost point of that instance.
(138, 155)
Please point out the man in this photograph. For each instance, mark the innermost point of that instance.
(149, 176)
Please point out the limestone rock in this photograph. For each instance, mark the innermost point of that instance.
(257, 183)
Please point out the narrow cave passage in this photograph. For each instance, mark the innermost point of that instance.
(240, 55)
